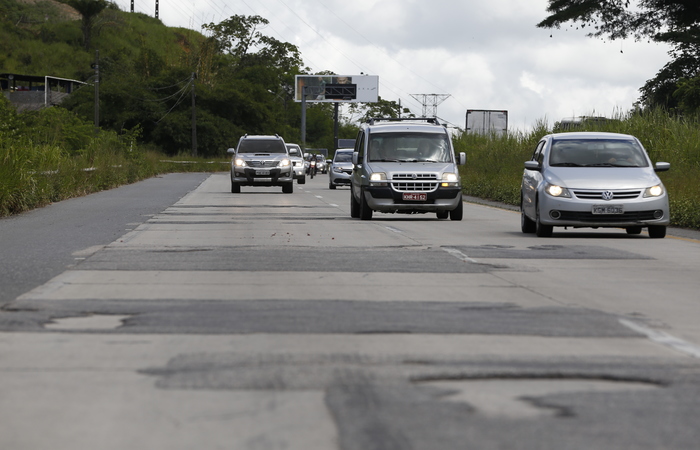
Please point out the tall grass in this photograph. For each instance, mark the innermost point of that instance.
(495, 163)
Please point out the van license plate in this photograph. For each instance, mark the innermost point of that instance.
(415, 197)
(608, 209)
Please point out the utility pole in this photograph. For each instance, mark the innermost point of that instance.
(156, 9)
(335, 126)
(303, 118)
(96, 66)
(194, 117)
(132, 5)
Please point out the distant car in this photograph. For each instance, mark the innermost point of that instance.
(261, 161)
(321, 165)
(340, 169)
(296, 155)
(589, 179)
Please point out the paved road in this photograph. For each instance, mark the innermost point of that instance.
(264, 320)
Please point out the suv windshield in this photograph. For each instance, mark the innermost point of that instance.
(262, 146)
(596, 153)
(409, 147)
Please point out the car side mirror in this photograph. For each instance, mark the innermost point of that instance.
(231, 150)
(661, 166)
(355, 158)
(532, 165)
(462, 158)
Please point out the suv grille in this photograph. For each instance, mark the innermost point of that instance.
(617, 195)
(414, 182)
(262, 163)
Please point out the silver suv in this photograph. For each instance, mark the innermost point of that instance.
(405, 166)
(261, 161)
(297, 156)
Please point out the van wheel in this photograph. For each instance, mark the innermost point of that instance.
(354, 206)
(365, 211)
(458, 212)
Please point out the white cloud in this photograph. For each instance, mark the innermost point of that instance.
(486, 55)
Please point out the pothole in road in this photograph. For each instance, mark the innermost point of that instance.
(87, 323)
(522, 398)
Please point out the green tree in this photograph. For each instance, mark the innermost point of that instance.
(89, 10)
(673, 22)
(382, 108)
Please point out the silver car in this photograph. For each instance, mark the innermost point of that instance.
(593, 180)
(296, 155)
(340, 168)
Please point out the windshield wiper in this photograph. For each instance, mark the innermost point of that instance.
(567, 164)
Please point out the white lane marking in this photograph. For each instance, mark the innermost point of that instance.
(459, 255)
(333, 205)
(663, 338)
(318, 196)
(395, 230)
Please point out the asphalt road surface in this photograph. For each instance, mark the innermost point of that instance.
(172, 314)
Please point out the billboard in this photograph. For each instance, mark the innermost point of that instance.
(337, 88)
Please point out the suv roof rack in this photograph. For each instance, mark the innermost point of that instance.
(432, 120)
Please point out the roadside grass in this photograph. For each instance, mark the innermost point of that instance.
(495, 163)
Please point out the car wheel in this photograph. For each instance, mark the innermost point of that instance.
(633, 230)
(365, 211)
(657, 231)
(288, 188)
(458, 212)
(235, 188)
(540, 229)
(331, 185)
(301, 179)
(527, 225)
(442, 214)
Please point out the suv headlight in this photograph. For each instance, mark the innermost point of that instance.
(238, 162)
(654, 191)
(285, 163)
(557, 191)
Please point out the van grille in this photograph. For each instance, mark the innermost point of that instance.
(414, 182)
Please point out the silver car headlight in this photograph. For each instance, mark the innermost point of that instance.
(654, 191)
(557, 191)
(449, 179)
(285, 163)
(378, 179)
(239, 162)
(338, 169)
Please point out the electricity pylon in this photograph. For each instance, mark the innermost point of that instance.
(430, 102)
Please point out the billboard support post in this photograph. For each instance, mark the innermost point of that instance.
(303, 119)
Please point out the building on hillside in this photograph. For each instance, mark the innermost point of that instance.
(30, 92)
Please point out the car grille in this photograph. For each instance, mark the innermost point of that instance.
(414, 182)
(633, 216)
(256, 163)
(617, 195)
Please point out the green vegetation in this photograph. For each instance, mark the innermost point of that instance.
(495, 164)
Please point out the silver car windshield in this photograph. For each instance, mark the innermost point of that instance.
(596, 153)
(344, 157)
(409, 147)
(262, 146)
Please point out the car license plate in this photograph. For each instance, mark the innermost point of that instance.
(415, 196)
(608, 209)
(262, 173)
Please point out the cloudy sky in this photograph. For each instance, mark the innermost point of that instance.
(483, 54)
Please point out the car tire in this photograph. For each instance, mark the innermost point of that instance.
(288, 188)
(354, 206)
(458, 212)
(657, 231)
(301, 179)
(633, 230)
(442, 214)
(235, 188)
(527, 225)
(365, 210)
(331, 185)
(540, 229)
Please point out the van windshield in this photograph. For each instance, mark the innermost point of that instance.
(410, 147)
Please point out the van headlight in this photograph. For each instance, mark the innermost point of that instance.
(378, 178)
(449, 179)
(654, 191)
(557, 191)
